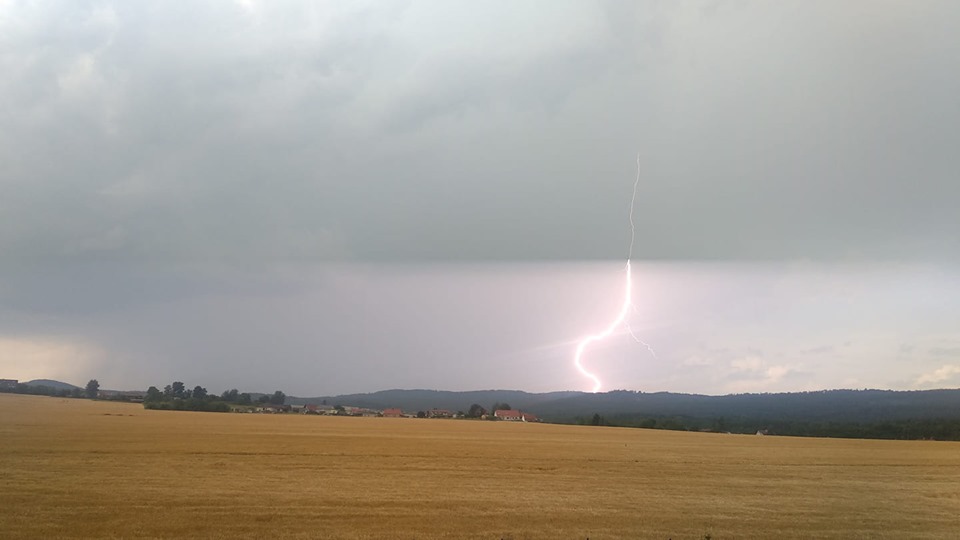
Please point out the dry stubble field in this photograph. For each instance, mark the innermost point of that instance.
(78, 468)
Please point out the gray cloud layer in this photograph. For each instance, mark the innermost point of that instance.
(254, 131)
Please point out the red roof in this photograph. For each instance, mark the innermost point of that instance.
(517, 415)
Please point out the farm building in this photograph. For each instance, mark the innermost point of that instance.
(311, 408)
(511, 415)
(272, 408)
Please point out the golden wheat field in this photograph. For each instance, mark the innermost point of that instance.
(79, 468)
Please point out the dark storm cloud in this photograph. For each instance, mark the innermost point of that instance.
(478, 131)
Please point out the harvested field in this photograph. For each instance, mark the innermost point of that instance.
(79, 468)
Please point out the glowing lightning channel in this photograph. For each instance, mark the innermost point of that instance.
(624, 309)
(621, 317)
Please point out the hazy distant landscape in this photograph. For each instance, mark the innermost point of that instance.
(877, 414)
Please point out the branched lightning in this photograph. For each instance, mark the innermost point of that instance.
(624, 309)
(621, 317)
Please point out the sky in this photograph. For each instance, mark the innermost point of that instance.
(343, 197)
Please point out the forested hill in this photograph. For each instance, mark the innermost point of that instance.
(820, 406)
(422, 400)
(880, 414)
(49, 383)
(840, 413)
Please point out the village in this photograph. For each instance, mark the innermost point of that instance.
(509, 415)
(232, 401)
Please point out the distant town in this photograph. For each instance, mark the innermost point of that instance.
(176, 396)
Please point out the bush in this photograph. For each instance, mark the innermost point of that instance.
(191, 404)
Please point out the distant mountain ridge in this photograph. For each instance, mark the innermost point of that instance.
(415, 400)
(820, 406)
(878, 414)
(624, 407)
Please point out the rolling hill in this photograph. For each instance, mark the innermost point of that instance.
(50, 383)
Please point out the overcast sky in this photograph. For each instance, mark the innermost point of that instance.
(329, 198)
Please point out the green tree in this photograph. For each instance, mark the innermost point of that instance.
(476, 411)
(199, 392)
(263, 399)
(231, 395)
(178, 390)
(501, 407)
(92, 389)
(153, 394)
(278, 398)
(244, 399)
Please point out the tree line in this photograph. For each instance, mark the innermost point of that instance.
(90, 391)
(940, 429)
(477, 411)
(177, 396)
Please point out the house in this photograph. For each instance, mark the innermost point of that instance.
(310, 408)
(392, 413)
(272, 408)
(8, 384)
(509, 415)
(439, 413)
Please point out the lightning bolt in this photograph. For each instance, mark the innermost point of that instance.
(628, 304)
